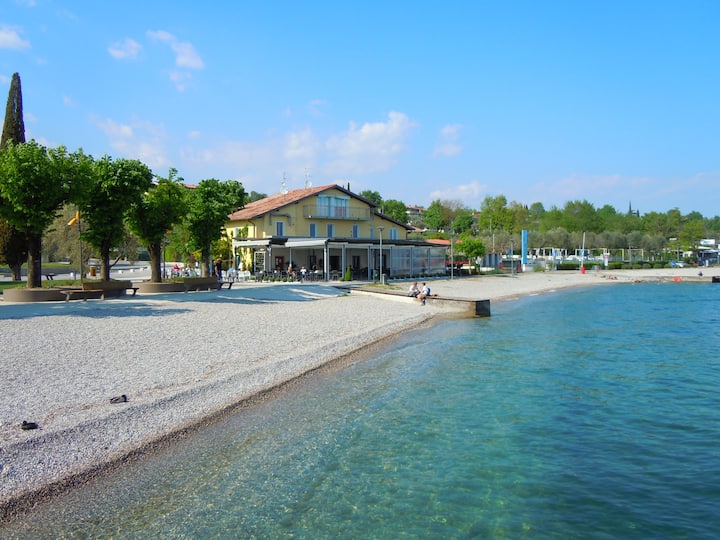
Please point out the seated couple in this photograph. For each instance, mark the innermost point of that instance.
(418, 293)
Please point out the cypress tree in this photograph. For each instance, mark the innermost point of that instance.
(14, 126)
(13, 244)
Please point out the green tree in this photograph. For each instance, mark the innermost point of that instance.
(395, 209)
(256, 196)
(436, 216)
(464, 221)
(13, 245)
(210, 204)
(161, 207)
(35, 182)
(372, 196)
(115, 187)
(471, 246)
(495, 214)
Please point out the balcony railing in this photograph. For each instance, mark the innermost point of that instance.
(322, 211)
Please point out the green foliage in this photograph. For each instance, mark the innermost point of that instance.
(161, 207)
(436, 216)
(471, 246)
(114, 188)
(372, 196)
(395, 209)
(210, 203)
(14, 125)
(463, 222)
(34, 184)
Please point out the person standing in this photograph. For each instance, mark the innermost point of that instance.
(218, 269)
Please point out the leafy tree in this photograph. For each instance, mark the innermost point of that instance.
(463, 222)
(255, 196)
(471, 246)
(34, 184)
(580, 216)
(115, 187)
(495, 215)
(372, 196)
(13, 246)
(210, 204)
(395, 209)
(161, 207)
(436, 216)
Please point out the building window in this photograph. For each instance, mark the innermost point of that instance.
(313, 230)
(330, 230)
(356, 231)
(333, 206)
(280, 228)
(393, 234)
(372, 232)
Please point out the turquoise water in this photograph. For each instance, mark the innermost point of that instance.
(591, 413)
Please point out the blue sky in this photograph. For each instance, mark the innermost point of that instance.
(541, 101)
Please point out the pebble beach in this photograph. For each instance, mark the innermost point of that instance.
(183, 359)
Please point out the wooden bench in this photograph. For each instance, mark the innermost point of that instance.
(111, 289)
(227, 284)
(202, 284)
(82, 294)
(50, 276)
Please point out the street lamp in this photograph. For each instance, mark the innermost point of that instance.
(381, 261)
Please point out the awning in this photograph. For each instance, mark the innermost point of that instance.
(305, 242)
(251, 243)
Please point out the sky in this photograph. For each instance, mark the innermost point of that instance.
(615, 102)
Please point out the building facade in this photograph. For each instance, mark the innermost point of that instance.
(327, 230)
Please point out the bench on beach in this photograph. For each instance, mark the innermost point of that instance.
(111, 289)
(210, 283)
(82, 294)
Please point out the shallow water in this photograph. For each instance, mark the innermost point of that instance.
(591, 413)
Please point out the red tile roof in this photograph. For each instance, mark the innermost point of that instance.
(274, 202)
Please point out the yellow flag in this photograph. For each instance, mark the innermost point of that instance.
(74, 220)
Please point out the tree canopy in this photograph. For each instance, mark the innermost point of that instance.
(160, 207)
(115, 187)
(210, 203)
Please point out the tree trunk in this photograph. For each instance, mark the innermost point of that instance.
(105, 263)
(205, 263)
(155, 250)
(34, 275)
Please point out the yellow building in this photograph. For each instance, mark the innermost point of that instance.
(325, 230)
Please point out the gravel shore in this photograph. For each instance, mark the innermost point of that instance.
(181, 359)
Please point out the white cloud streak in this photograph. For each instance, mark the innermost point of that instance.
(126, 49)
(10, 39)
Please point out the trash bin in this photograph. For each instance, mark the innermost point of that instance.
(92, 271)
(383, 277)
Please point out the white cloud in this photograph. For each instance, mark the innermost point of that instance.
(139, 140)
(470, 194)
(185, 57)
(185, 54)
(10, 39)
(128, 48)
(315, 107)
(371, 148)
(448, 147)
(300, 147)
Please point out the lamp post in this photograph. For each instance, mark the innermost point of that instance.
(452, 253)
(381, 255)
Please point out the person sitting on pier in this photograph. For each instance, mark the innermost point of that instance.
(414, 290)
(424, 293)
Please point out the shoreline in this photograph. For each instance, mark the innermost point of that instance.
(283, 334)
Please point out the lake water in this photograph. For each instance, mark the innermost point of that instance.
(589, 413)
